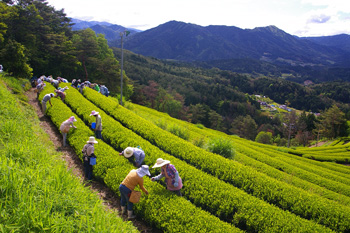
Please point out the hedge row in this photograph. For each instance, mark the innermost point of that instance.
(219, 198)
(298, 168)
(329, 158)
(160, 208)
(290, 153)
(342, 174)
(307, 205)
(196, 132)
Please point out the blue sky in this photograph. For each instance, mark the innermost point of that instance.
(296, 17)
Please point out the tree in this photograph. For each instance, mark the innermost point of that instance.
(290, 125)
(215, 120)
(197, 113)
(331, 123)
(244, 126)
(87, 49)
(151, 93)
(264, 137)
(14, 59)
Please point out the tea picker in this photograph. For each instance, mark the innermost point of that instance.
(126, 188)
(138, 153)
(89, 158)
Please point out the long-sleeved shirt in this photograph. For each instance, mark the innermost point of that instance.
(99, 123)
(89, 149)
(132, 180)
(171, 177)
(139, 156)
(46, 98)
(66, 125)
(61, 94)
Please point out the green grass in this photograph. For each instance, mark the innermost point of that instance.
(37, 192)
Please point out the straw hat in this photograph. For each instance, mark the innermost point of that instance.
(160, 163)
(92, 140)
(72, 118)
(128, 152)
(143, 170)
(93, 113)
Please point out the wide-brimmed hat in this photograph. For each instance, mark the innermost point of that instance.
(93, 113)
(72, 118)
(92, 140)
(128, 152)
(143, 170)
(160, 163)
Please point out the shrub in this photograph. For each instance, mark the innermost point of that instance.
(199, 141)
(179, 131)
(161, 124)
(200, 126)
(222, 147)
(264, 137)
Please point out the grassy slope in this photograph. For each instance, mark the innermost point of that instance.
(37, 193)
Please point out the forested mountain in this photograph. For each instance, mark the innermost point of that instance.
(222, 100)
(190, 42)
(341, 41)
(264, 51)
(110, 31)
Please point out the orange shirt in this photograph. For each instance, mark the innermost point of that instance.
(132, 180)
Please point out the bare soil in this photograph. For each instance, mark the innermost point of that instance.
(319, 144)
(110, 200)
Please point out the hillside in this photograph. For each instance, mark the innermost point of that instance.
(42, 185)
(260, 182)
(187, 159)
(227, 93)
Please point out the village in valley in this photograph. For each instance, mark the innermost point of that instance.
(269, 105)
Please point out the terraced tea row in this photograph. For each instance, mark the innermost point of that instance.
(157, 207)
(244, 177)
(207, 192)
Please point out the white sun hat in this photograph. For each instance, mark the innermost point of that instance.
(160, 163)
(128, 152)
(92, 140)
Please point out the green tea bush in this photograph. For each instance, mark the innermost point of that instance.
(273, 191)
(112, 169)
(214, 195)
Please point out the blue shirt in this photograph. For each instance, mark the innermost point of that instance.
(139, 156)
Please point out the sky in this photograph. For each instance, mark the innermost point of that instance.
(296, 17)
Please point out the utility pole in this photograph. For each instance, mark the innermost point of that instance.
(121, 69)
(121, 64)
(290, 128)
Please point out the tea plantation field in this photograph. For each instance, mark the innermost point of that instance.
(261, 188)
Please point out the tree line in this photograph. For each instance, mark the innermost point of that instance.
(36, 39)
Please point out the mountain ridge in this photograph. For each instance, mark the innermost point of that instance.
(316, 58)
(190, 42)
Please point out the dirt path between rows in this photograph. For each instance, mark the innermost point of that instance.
(73, 163)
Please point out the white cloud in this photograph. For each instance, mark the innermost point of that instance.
(297, 17)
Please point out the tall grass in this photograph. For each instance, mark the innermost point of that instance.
(37, 192)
